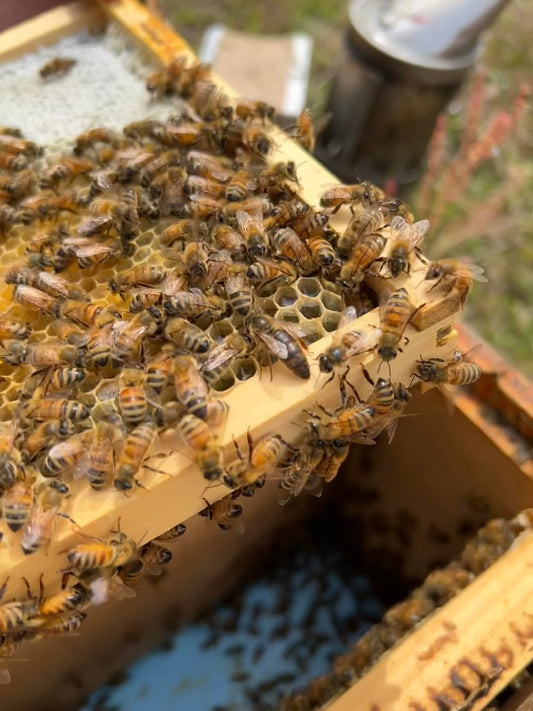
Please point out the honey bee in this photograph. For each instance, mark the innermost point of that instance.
(101, 555)
(128, 336)
(437, 371)
(252, 229)
(60, 625)
(267, 270)
(193, 303)
(234, 134)
(347, 425)
(396, 311)
(39, 527)
(66, 169)
(147, 128)
(405, 239)
(14, 615)
(254, 205)
(203, 207)
(262, 458)
(35, 299)
(222, 356)
(63, 378)
(99, 343)
(42, 355)
(305, 133)
(18, 503)
(10, 161)
(223, 512)
(196, 185)
(42, 437)
(13, 330)
(50, 408)
(155, 555)
(186, 135)
(239, 186)
(86, 314)
(347, 343)
(337, 195)
(366, 253)
(366, 222)
(64, 455)
(89, 253)
(173, 533)
(297, 473)
(460, 276)
(133, 454)
(14, 145)
(100, 459)
(240, 296)
(63, 601)
(181, 230)
(20, 184)
(158, 162)
(250, 110)
(51, 284)
(191, 388)
(169, 187)
(281, 342)
(209, 166)
(145, 275)
(219, 266)
(209, 102)
(335, 453)
(321, 251)
(94, 136)
(289, 245)
(187, 336)
(194, 260)
(11, 468)
(205, 449)
(56, 67)
(132, 399)
(159, 368)
(229, 239)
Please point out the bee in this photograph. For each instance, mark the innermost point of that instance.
(63, 624)
(159, 162)
(100, 460)
(219, 266)
(321, 251)
(366, 253)
(250, 110)
(222, 356)
(10, 457)
(42, 355)
(63, 378)
(437, 371)
(234, 134)
(262, 458)
(94, 136)
(347, 425)
(305, 133)
(169, 187)
(42, 437)
(298, 472)
(13, 330)
(396, 311)
(460, 276)
(335, 454)
(239, 186)
(101, 555)
(55, 409)
(186, 336)
(193, 303)
(280, 342)
(15, 145)
(223, 512)
(288, 213)
(64, 455)
(229, 239)
(39, 527)
(173, 533)
(181, 230)
(133, 454)
(366, 222)
(89, 253)
(289, 245)
(10, 161)
(203, 207)
(35, 299)
(196, 185)
(405, 239)
(185, 135)
(217, 414)
(257, 204)
(64, 601)
(388, 420)
(14, 615)
(86, 314)
(20, 184)
(147, 128)
(51, 284)
(155, 555)
(347, 343)
(191, 388)
(267, 270)
(128, 336)
(240, 296)
(252, 229)
(68, 168)
(132, 400)
(145, 275)
(159, 368)
(194, 260)
(208, 166)
(312, 224)
(198, 436)
(56, 67)
(99, 343)
(337, 195)
(17, 503)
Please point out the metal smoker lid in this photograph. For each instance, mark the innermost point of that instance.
(438, 36)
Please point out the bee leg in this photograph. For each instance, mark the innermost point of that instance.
(237, 448)
(250, 444)
(321, 407)
(28, 588)
(366, 375)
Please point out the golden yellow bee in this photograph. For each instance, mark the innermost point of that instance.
(281, 342)
(190, 387)
(133, 454)
(396, 311)
(262, 458)
(39, 527)
(459, 276)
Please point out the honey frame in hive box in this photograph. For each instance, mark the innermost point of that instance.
(276, 405)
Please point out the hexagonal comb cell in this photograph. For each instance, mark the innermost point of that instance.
(310, 308)
(245, 368)
(288, 315)
(312, 332)
(309, 286)
(224, 383)
(220, 330)
(286, 296)
(330, 320)
(331, 301)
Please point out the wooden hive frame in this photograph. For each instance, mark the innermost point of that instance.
(277, 405)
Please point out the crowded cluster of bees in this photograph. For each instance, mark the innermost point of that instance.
(149, 271)
(440, 586)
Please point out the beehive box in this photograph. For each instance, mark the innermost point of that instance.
(409, 475)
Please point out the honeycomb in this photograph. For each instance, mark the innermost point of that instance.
(96, 285)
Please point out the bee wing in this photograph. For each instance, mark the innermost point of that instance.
(173, 284)
(248, 221)
(418, 231)
(93, 249)
(220, 355)
(56, 283)
(476, 272)
(367, 342)
(276, 347)
(96, 223)
(235, 281)
(383, 300)
(349, 314)
(109, 390)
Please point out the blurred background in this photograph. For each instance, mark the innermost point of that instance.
(477, 184)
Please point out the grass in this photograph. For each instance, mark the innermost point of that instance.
(491, 220)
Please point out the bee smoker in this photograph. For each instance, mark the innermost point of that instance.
(402, 62)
